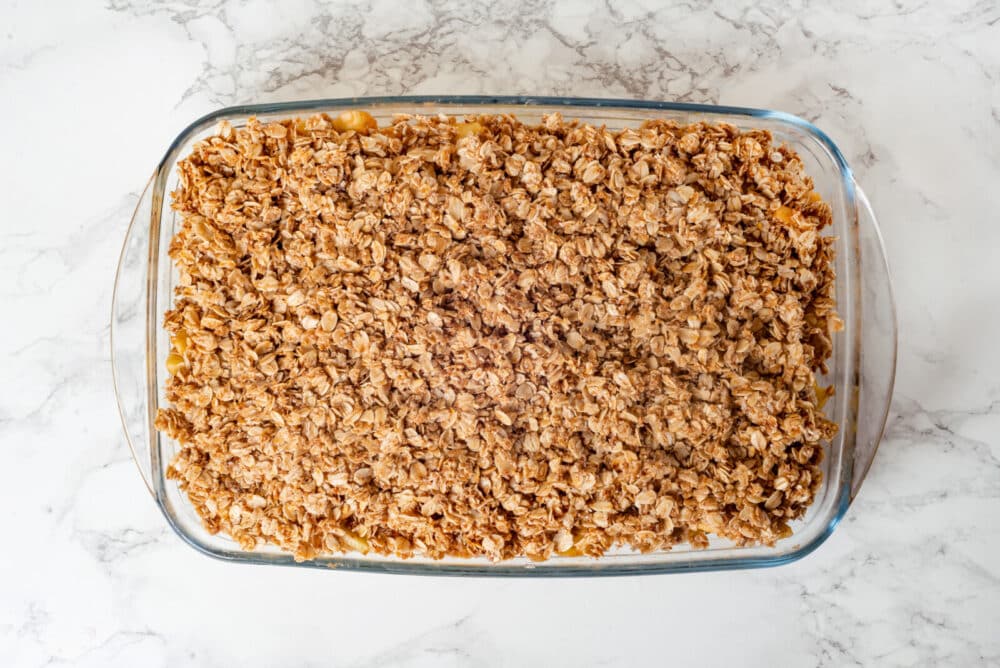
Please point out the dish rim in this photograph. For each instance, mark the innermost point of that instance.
(841, 487)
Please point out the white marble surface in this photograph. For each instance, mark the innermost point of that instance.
(90, 94)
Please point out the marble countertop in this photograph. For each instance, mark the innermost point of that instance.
(90, 573)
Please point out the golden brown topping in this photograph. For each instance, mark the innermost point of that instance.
(527, 341)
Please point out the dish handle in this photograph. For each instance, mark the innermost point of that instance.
(878, 341)
(128, 335)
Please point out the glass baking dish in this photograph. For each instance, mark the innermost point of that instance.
(862, 367)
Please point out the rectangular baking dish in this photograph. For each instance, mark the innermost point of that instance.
(862, 367)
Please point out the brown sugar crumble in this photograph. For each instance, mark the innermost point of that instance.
(487, 338)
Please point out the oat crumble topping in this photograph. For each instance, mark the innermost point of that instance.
(487, 338)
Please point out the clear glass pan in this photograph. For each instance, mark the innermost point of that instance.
(862, 367)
